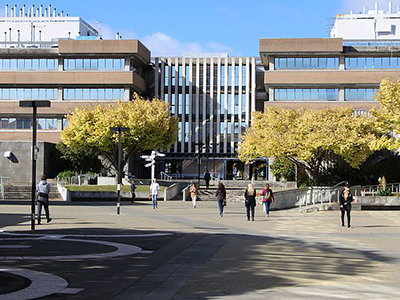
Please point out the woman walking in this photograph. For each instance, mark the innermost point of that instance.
(221, 197)
(268, 198)
(250, 201)
(345, 200)
(193, 194)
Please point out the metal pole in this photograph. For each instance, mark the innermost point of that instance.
(119, 173)
(34, 127)
(198, 168)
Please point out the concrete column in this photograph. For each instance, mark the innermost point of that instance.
(169, 84)
(204, 129)
(240, 94)
(233, 107)
(156, 77)
(248, 104)
(126, 94)
(341, 94)
(59, 124)
(197, 102)
(60, 64)
(271, 65)
(271, 94)
(177, 98)
(162, 79)
(212, 103)
(127, 64)
(226, 106)
(342, 65)
(218, 104)
(191, 110)
(60, 94)
(183, 130)
(253, 84)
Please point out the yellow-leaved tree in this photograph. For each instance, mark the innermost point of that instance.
(151, 127)
(387, 116)
(309, 137)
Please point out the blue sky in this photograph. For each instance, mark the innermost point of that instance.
(173, 27)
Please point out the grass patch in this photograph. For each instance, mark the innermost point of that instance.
(109, 188)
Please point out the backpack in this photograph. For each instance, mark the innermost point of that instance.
(267, 195)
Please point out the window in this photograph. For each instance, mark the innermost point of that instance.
(91, 64)
(306, 94)
(300, 63)
(359, 94)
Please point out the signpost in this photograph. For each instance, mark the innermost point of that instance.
(34, 104)
(152, 161)
(119, 130)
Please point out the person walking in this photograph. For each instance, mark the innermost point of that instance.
(193, 194)
(43, 191)
(133, 189)
(207, 178)
(345, 199)
(268, 198)
(221, 197)
(154, 188)
(250, 201)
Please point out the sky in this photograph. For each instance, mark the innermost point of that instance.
(173, 27)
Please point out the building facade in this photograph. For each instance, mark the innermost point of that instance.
(213, 97)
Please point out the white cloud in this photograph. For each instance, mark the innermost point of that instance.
(109, 33)
(161, 44)
(357, 5)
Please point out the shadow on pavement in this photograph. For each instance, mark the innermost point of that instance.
(198, 265)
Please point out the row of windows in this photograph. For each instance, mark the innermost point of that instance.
(306, 94)
(93, 94)
(29, 64)
(324, 94)
(360, 94)
(42, 123)
(28, 94)
(282, 63)
(372, 62)
(94, 64)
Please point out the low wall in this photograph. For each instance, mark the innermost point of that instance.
(174, 190)
(379, 200)
(74, 195)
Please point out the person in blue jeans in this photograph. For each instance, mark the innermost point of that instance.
(154, 188)
(268, 198)
(221, 197)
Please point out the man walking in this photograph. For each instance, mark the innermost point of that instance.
(207, 178)
(43, 191)
(154, 188)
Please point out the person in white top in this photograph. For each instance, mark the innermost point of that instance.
(154, 188)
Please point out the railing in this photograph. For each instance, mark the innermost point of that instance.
(373, 189)
(185, 192)
(2, 187)
(165, 177)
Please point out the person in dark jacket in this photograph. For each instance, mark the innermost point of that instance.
(43, 191)
(345, 200)
(207, 178)
(268, 198)
(221, 197)
(250, 201)
(133, 189)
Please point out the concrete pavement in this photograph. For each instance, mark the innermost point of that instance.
(177, 252)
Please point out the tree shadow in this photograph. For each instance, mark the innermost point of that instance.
(202, 265)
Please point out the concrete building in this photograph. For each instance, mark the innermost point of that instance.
(213, 96)
(369, 26)
(27, 27)
(70, 73)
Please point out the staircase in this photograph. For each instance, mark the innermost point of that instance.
(24, 192)
(232, 194)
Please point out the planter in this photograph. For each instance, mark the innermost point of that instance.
(379, 200)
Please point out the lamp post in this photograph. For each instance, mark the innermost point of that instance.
(120, 130)
(34, 105)
(200, 144)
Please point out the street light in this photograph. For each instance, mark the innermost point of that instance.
(120, 130)
(34, 104)
(200, 147)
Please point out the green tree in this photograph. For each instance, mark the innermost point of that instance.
(283, 168)
(151, 127)
(81, 160)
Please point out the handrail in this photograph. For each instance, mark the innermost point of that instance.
(165, 177)
(2, 187)
(340, 183)
(185, 192)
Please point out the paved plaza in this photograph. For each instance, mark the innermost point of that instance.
(177, 252)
